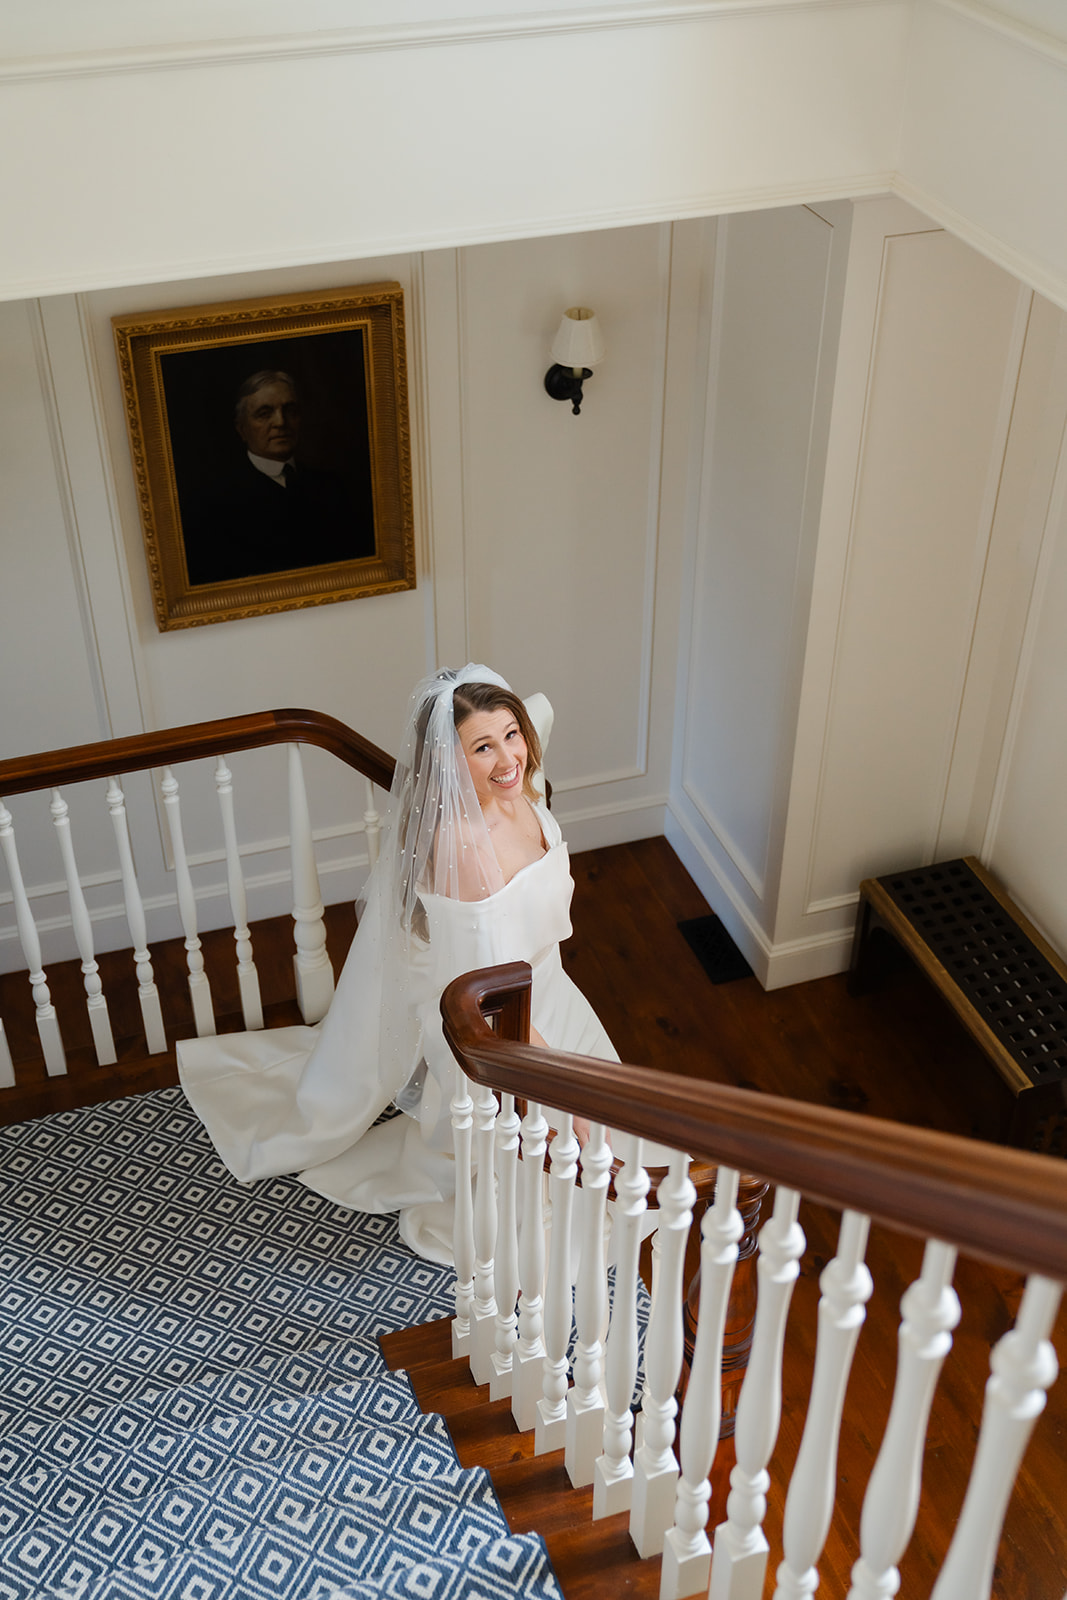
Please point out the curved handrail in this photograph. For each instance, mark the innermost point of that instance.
(196, 739)
(1006, 1205)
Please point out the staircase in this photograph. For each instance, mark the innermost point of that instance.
(193, 1398)
(190, 1377)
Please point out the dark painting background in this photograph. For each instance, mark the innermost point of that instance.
(200, 388)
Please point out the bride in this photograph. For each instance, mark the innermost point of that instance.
(473, 871)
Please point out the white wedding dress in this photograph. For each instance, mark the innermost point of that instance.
(303, 1100)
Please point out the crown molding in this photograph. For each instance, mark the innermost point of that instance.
(345, 252)
(406, 36)
(1051, 284)
(988, 18)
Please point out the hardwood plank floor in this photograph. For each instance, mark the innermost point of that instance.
(895, 1053)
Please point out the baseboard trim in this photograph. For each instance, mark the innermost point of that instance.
(777, 966)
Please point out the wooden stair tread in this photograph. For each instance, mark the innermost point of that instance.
(591, 1559)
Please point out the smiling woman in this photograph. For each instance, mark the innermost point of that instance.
(473, 872)
(502, 751)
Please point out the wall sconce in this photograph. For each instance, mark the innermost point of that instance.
(578, 347)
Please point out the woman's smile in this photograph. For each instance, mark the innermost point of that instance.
(495, 749)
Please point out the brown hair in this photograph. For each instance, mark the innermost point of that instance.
(467, 698)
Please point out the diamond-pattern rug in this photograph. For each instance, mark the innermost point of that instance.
(193, 1405)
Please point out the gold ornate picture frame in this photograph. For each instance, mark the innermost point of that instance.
(271, 452)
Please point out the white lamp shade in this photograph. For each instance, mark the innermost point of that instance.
(579, 342)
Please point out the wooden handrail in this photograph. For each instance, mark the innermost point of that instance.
(197, 739)
(1005, 1205)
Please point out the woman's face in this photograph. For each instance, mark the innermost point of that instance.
(495, 749)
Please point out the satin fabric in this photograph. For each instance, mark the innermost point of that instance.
(303, 1100)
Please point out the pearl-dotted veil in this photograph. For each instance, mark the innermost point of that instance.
(435, 842)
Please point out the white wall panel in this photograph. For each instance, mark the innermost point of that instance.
(1026, 844)
(562, 511)
(943, 367)
(774, 270)
(48, 696)
(1029, 849)
(772, 347)
(148, 169)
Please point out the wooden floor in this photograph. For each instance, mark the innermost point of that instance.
(897, 1053)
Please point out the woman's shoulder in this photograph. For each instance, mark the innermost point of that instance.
(549, 826)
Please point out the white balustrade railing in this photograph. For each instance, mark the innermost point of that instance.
(483, 1310)
(314, 973)
(527, 1383)
(647, 1480)
(550, 1429)
(199, 987)
(1023, 1367)
(147, 993)
(463, 1218)
(739, 1557)
(247, 976)
(655, 1465)
(686, 1550)
(846, 1287)
(931, 1310)
(311, 964)
(55, 1058)
(506, 1288)
(585, 1402)
(95, 999)
(613, 1482)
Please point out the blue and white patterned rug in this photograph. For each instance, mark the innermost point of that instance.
(193, 1405)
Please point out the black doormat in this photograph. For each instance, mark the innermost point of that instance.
(714, 949)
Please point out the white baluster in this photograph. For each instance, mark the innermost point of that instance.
(739, 1557)
(655, 1466)
(311, 964)
(686, 1551)
(507, 1249)
(372, 823)
(528, 1357)
(846, 1287)
(613, 1482)
(247, 976)
(7, 1066)
(463, 1219)
(199, 988)
(147, 993)
(95, 999)
(585, 1402)
(550, 1431)
(930, 1311)
(1023, 1366)
(55, 1059)
(483, 1311)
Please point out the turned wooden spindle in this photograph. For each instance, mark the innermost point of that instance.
(741, 1312)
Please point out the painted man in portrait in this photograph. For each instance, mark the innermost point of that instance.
(271, 511)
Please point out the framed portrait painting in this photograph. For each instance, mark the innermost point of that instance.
(271, 451)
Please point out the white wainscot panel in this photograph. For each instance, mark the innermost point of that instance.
(942, 372)
(770, 303)
(561, 510)
(45, 661)
(1029, 847)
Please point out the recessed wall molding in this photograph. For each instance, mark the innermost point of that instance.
(754, 878)
(403, 36)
